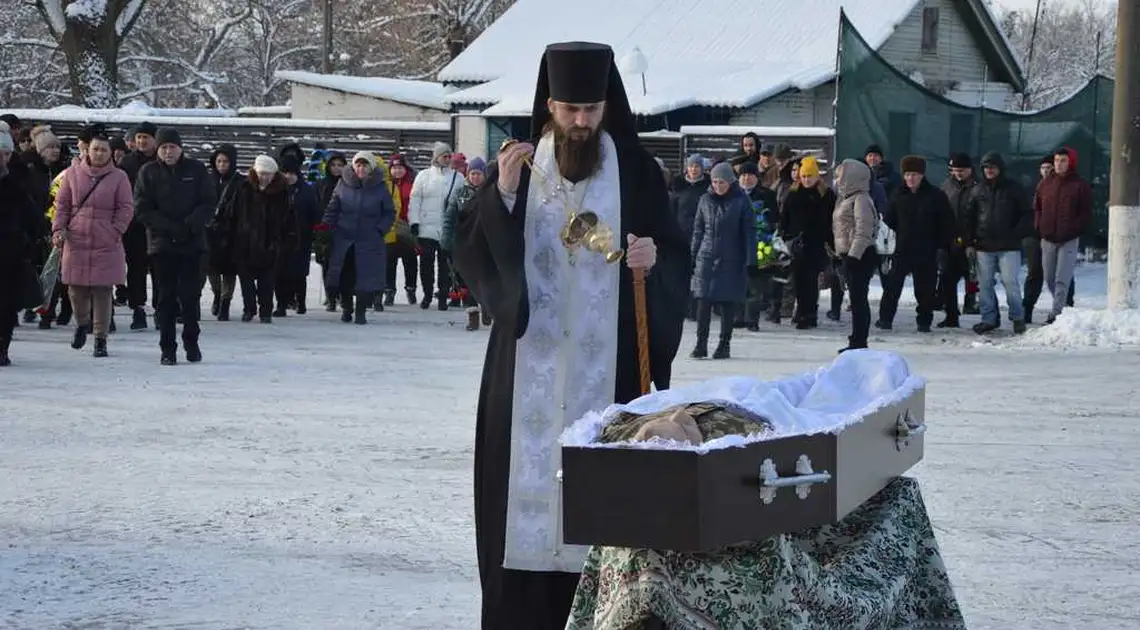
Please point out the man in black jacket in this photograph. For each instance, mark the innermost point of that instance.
(174, 200)
(923, 222)
(955, 266)
(998, 219)
(134, 241)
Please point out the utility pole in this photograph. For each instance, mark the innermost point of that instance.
(327, 47)
(1124, 194)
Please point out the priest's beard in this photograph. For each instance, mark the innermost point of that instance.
(578, 155)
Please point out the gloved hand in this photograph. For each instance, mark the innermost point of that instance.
(415, 228)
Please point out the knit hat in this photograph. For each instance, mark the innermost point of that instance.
(912, 164)
(265, 164)
(6, 143)
(993, 158)
(365, 156)
(723, 171)
(961, 160)
(42, 138)
(782, 152)
(477, 164)
(695, 159)
(10, 122)
(166, 135)
(874, 148)
(147, 129)
(118, 144)
(809, 166)
(289, 164)
(437, 149)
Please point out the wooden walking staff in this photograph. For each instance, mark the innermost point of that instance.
(641, 310)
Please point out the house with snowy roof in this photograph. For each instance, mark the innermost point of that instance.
(330, 96)
(768, 63)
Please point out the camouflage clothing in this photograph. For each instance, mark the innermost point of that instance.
(713, 421)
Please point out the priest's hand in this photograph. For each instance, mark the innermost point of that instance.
(641, 252)
(511, 161)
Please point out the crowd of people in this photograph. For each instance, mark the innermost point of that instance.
(768, 233)
(125, 211)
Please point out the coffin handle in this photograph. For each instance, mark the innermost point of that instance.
(907, 428)
(770, 479)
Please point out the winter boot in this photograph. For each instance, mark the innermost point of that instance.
(951, 321)
(5, 343)
(193, 351)
(983, 328)
(411, 296)
(473, 318)
(722, 350)
(299, 299)
(266, 319)
(425, 303)
(79, 339)
(361, 309)
(223, 311)
(1018, 327)
(378, 301)
(169, 357)
(389, 298)
(215, 306)
(30, 316)
(701, 350)
(138, 318)
(100, 348)
(924, 328)
(280, 311)
(881, 325)
(346, 312)
(486, 316)
(441, 303)
(45, 323)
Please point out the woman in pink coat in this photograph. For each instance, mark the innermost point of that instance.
(93, 208)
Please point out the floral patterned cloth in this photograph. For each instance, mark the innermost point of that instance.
(879, 568)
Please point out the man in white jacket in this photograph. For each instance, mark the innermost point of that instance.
(431, 190)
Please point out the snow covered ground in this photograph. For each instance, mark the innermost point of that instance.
(317, 475)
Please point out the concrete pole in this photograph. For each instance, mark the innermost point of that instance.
(1124, 195)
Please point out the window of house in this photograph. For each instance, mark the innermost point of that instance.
(900, 134)
(930, 30)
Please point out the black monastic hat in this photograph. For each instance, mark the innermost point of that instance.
(582, 72)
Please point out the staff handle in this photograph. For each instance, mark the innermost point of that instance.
(641, 310)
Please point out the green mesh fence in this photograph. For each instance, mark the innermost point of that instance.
(879, 105)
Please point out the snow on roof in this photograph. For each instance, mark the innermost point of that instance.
(763, 132)
(421, 93)
(80, 115)
(140, 108)
(265, 110)
(742, 53)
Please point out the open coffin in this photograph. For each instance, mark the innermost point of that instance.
(827, 442)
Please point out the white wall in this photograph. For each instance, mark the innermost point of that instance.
(791, 109)
(471, 135)
(320, 103)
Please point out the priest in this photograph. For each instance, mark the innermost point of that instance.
(564, 340)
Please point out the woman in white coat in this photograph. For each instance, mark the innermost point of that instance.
(430, 192)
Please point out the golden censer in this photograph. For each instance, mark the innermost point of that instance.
(582, 229)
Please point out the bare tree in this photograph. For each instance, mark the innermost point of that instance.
(1065, 47)
(89, 32)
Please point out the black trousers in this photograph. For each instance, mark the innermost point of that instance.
(857, 273)
(290, 290)
(257, 291)
(60, 298)
(139, 267)
(805, 280)
(957, 270)
(178, 280)
(925, 277)
(399, 252)
(1035, 276)
(435, 269)
(347, 285)
(222, 286)
(704, 320)
(835, 285)
(8, 321)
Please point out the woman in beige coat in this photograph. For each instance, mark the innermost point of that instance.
(853, 223)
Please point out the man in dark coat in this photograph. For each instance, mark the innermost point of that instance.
(999, 219)
(548, 301)
(955, 267)
(174, 200)
(292, 280)
(135, 240)
(923, 222)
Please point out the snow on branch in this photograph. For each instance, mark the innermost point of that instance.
(52, 11)
(218, 35)
(40, 43)
(127, 17)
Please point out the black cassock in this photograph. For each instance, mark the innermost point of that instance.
(488, 253)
